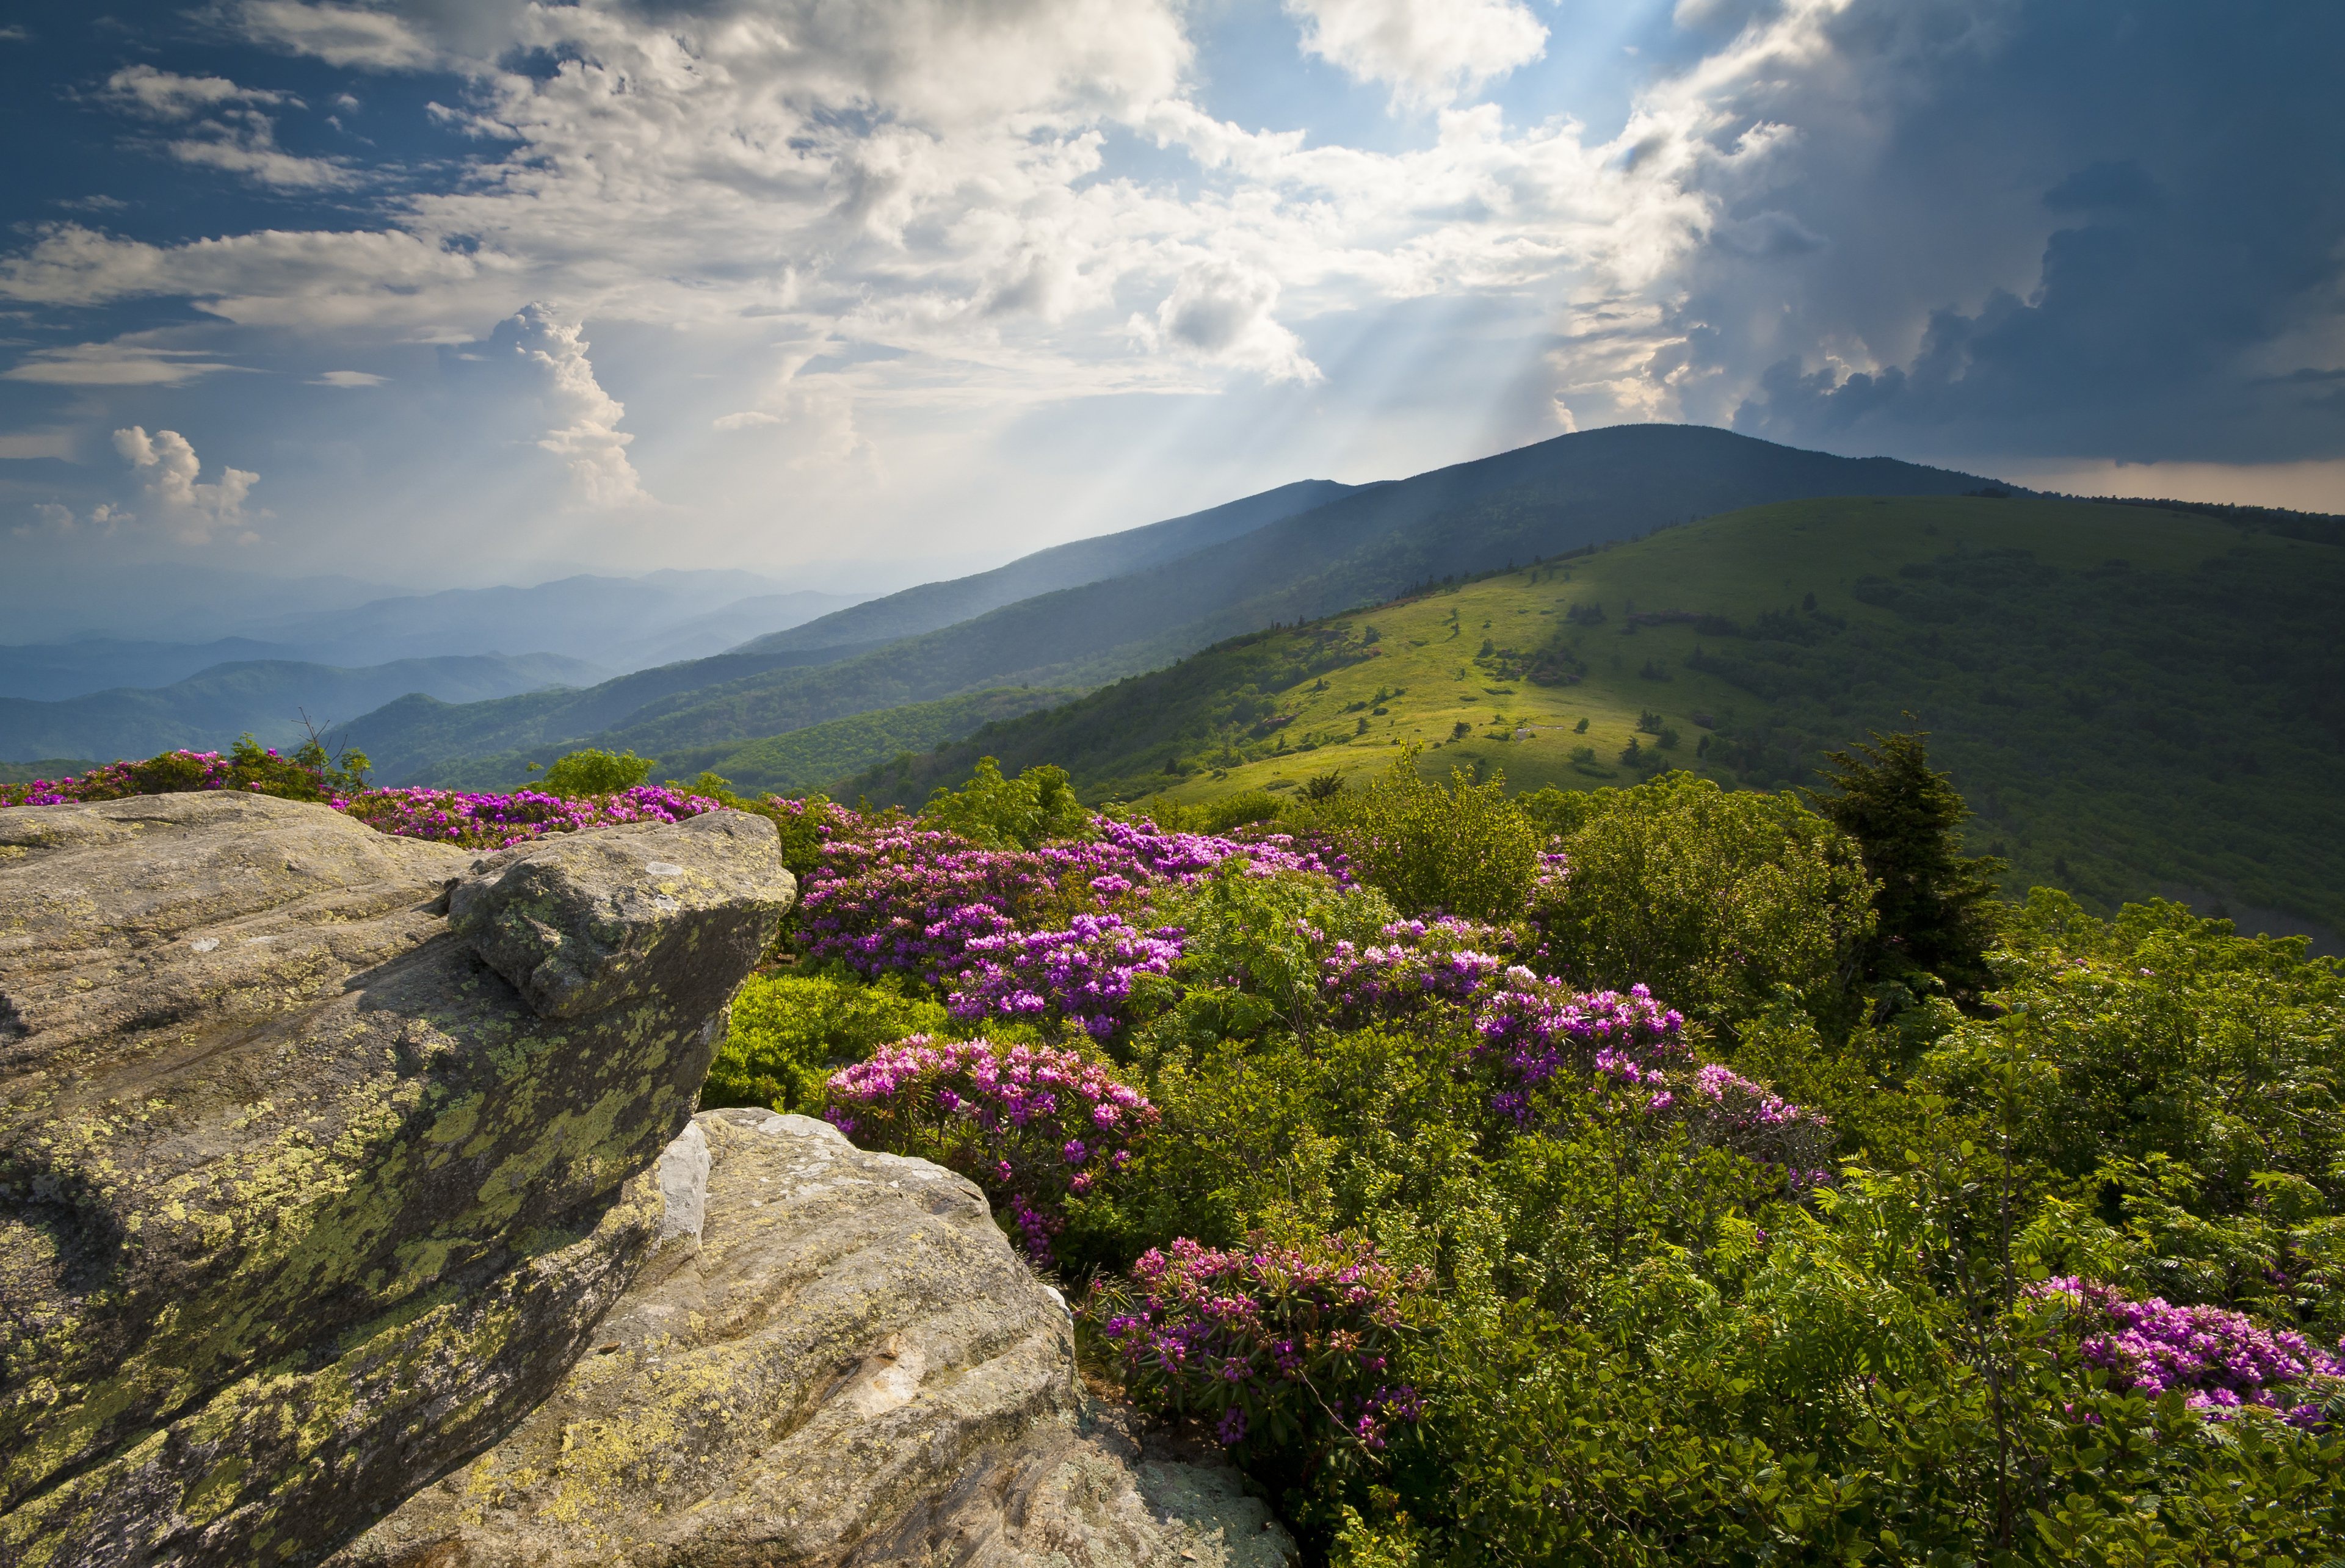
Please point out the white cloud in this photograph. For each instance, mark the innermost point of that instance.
(584, 429)
(1427, 51)
(229, 133)
(168, 472)
(166, 96)
(123, 362)
(1223, 312)
(748, 418)
(356, 35)
(349, 380)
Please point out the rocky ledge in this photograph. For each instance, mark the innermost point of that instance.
(308, 1188)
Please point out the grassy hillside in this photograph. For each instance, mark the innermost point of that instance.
(2133, 700)
(1363, 547)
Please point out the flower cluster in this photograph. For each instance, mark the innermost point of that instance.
(470, 821)
(1531, 1030)
(892, 896)
(2221, 1360)
(1724, 1108)
(180, 771)
(500, 821)
(1032, 1124)
(1287, 1347)
(1448, 959)
(1083, 974)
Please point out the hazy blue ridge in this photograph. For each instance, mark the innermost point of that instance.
(268, 697)
(932, 605)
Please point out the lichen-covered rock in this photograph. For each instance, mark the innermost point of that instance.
(301, 1200)
(850, 1366)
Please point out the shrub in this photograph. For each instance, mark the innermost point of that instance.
(1283, 1350)
(1082, 976)
(1000, 812)
(1463, 850)
(310, 774)
(1033, 1125)
(593, 771)
(1715, 900)
(790, 1032)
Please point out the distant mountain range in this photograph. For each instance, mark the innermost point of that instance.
(1159, 593)
(266, 697)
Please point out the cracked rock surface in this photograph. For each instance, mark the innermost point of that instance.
(843, 1362)
(306, 1193)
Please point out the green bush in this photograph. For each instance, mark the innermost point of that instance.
(593, 771)
(1464, 849)
(1002, 813)
(1718, 901)
(790, 1032)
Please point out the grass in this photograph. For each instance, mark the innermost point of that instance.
(2136, 702)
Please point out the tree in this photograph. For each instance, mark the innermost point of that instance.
(1937, 907)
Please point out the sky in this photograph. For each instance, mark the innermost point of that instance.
(450, 292)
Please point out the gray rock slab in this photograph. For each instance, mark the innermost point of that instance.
(300, 1199)
(853, 1367)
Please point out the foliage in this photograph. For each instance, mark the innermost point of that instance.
(1284, 1351)
(1034, 1126)
(310, 774)
(1720, 901)
(596, 773)
(1083, 975)
(1463, 849)
(1000, 812)
(789, 1033)
(1935, 909)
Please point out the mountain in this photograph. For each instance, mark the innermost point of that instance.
(2136, 702)
(935, 604)
(612, 624)
(268, 697)
(49, 672)
(619, 623)
(1363, 546)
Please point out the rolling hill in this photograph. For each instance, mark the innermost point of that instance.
(209, 709)
(1361, 547)
(2136, 702)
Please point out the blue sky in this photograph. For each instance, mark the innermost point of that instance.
(484, 291)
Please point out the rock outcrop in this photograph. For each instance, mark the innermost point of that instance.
(323, 1152)
(837, 1360)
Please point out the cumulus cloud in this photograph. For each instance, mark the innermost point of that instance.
(194, 513)
(746, 420)
(583, 430)
(1426, 51)
(1222, 311)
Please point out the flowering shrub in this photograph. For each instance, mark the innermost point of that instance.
(1531, 1030)
(1032, 1124)
(2221, 1360)
(1083, 974)
(1725, 1108)
(911, 899)
(1446, 959)
(471, 821)
(500, 821)
(1282, 1347)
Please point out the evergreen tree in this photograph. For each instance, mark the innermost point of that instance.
(1936, 907)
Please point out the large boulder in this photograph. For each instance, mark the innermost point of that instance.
(837, 1360)
(309, 1190)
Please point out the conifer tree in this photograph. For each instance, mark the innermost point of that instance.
(1937, 907)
